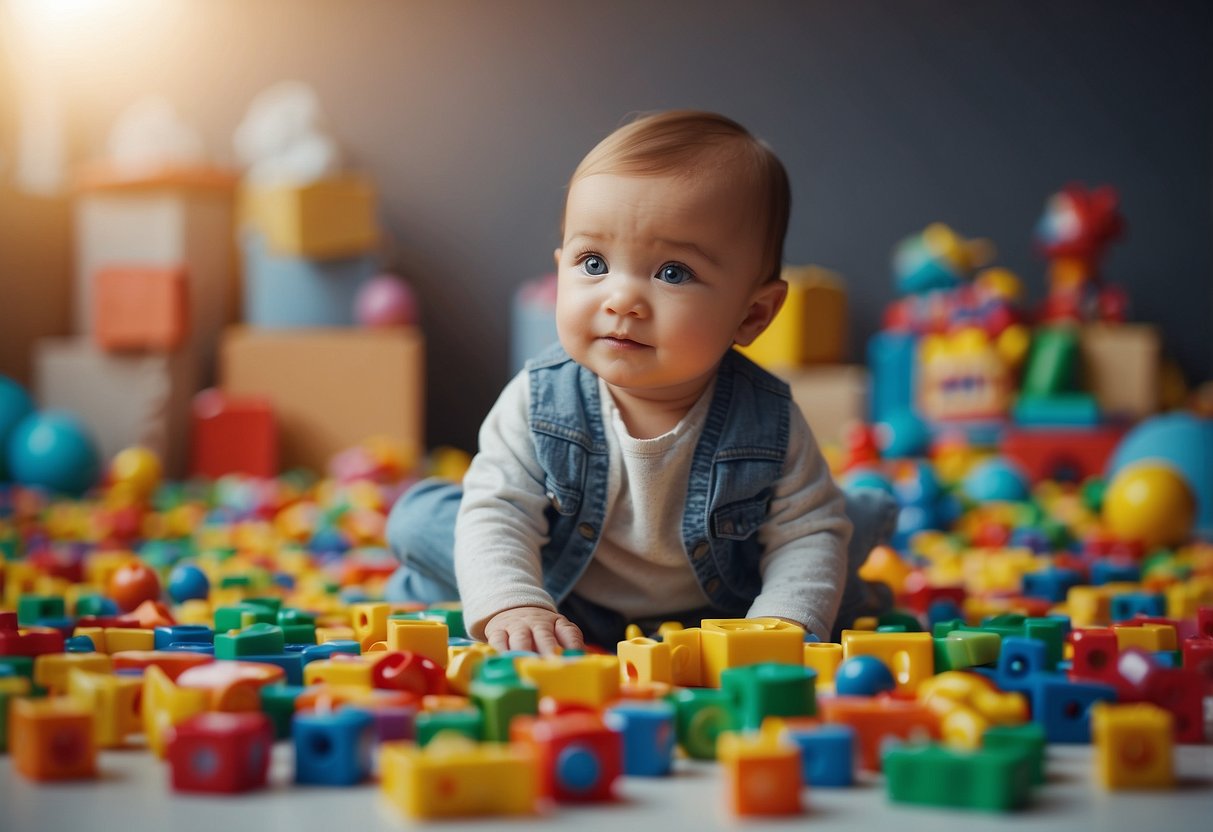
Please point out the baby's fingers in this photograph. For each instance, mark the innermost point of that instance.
(569, 635)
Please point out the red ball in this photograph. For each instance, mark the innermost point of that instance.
(132, 584)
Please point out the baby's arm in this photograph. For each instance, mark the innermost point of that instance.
(499, 533)
(805, 538)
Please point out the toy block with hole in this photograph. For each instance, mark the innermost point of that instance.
(165, 704)
(232, 685)
(332, 388)
(333, 749)
(879, 719)
(1070, 455)
(1177, 690)
(140, 308)
(831, 397)
(647, 729)
(51, 669)
(1094, 654)
(328, 218)
(1134, 746)
(909, 656)
(52, 739)
(759, 691)
(590, 680)
(384, 670)
(700, 716)
(115, 702)
(827, 752)
(811, 327)
(425, 637)
(1198, 656)
(462, 661)
(645, 660)
(762, 774)
(224, 753)
(232, 435)
(737, 642)
(579, 758)
(824, 658)
(370, 622)
(686, 656)
(995, 779)
(455, 777)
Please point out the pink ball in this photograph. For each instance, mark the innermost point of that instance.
(385, 300)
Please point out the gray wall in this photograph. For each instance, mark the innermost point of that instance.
(889, 114)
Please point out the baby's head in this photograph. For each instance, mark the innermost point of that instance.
(672, 245)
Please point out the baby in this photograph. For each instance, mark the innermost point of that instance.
(642, 470)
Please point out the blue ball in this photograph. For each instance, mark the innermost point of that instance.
(903, 434)
(578, 768)
(53, 450)
(863, 676)
(997, 480)
(187, 582)
(15, 405)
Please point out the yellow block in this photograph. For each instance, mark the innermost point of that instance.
(454, 776)
(591, 680)
(113, 701)
(1134, 746)
(811, 328)
(1089, 606)
(909, 656)
(462, 661)
(423, 636)
(51, 669)
(645, 660)
(824, 657)
(1152, 637)
(166, 704)
(738, 642)
(331, 218)
(370, 622)
(325, 634)
(118, 639)
(686, 660)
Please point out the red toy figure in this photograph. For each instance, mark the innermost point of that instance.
(1077, 227)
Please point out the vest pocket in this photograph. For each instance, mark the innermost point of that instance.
(563, 500)
(740, 520)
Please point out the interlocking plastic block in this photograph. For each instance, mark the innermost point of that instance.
(877, 719)
(52, 739)
(232, 435)
(910, 656)
(1063, 707)
(1062, 453)
(254, 640)
(702, 714)
(466, 721)
(737, 642)
(824, 658)
(1144, 635)
(578, 756)
(647, 729)
(428, 637)
(30, 642)
(137, 308)
(686, 656)
(1027, 739)
(127, 639)
(114, 702)
(1177, 690)
(761, 772)
(1134, 746)
(762, 690)
(332, 217)
(645, 660)
(232, 685)
(1127, 605)
(960, 649)
(51, 669)
(502, 699)
(452, 617)
(996, 779)
(462, 661)
(172, 663)
(827, 754)
(1051, 583)
(333, 749)
(32, 609)
(278, 703)
(291, 663)
(455, 777)
(183, 634)
(225, 753)
(811, 327)
(591, 680)
(1198, 657)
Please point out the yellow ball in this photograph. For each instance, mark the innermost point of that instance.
(1150, 502)
(135, 470)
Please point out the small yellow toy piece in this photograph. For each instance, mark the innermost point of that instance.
(166, 704)
(95, 634)
(369, 622)
(887, 567)
(113, 702)
(454, 776)
(762, 773)
(427, 637)
(1155, 638)
(737, 642)
(352, 671)
(910, 656)
(686, 661)
(51, 669)
(967, 705)
(1151, 503)
(591, 680)
(645, 660)
(461, 665)
(1134, 746)
(1089, 606)
(118, 639)
(824, 657)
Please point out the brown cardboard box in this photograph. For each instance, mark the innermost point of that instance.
(830, 396)
(1121, 365)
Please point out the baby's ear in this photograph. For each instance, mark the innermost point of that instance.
(556, 255)
(764, 306)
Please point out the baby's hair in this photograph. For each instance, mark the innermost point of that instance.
(686, 141)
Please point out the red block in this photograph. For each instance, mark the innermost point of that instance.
(1174, 689)
(140, 307)
(1204, 622)
(1061, 454)
(579, 757)
(1198, 657)
(233, 436)
(1095, 653)
(221, 752)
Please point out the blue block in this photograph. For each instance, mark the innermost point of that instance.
(1020, 660)
(292, 663)
(891, 359)
(1128, 605)
(1052, 584)
(189, 647)
(333, 748)
(312, 652)
(827, 754)
(281, 291)
(943, 609)
(1111, 571)
(647, 729)
(79, 644)
(184, 634)
(1063, 708)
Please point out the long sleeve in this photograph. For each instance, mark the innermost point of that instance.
(501, 526)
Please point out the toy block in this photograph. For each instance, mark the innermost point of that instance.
(502, 698)
(1134, 746)
(1127, 605)
(591, 680)
(909, 656)
(32, 609)
(182, 634)
(278, 704)
(579, 758)
(1063, 707)
(827, 753)
(462, 662)
(811, 327)
(256, 639)
(331, 388)
(232, 435)
(762, 774)
(1063, 454)
(285, 291)
(763, 690)
(387, 670)
(225, 753)
(31, 642)
(737, 642)
(333, 749)
(1198, 657)
(425, 637)
(877, 720)
(52, 739)
(328, 218)
(968, 705)
(1027, 739)
(465, 721)
(995, 779)
(173, 664)
(1155, 638)
(124, 399)
(1122, 367)
(701, 715)
(140, 308)
(647, 730)
(291, 663)
(244, 614)
(455, 777)
(686, 656)
(1177, 690)
(51, 669)
(166, 222)
(125, 639)
(961, 649)
(831, 397)
(645, 660)
(451, 616)
(823, 657)
(1089, 606)
(232, 685)
(114, 702)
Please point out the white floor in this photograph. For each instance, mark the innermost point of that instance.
(132, 795)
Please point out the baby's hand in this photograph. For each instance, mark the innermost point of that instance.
(532, 628)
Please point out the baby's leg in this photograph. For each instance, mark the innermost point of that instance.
(421, 533)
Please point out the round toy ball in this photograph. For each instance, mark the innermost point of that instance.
(863, 676)
(385, 300)
(1185, 441)
(15, 405)
(187, 583)
(996, 480)
(136, 471)
(1149, 502)
(862, 477)
(903, 434)
(53, 450)
(132, 584)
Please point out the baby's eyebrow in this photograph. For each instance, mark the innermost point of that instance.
(689, 246)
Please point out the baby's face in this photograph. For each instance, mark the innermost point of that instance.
(657, 278)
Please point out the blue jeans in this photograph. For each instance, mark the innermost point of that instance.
(421, 533)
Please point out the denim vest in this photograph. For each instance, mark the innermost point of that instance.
(736, 463)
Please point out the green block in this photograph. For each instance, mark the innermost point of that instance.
(1073, 409)
(906, 620)
(278, 703)
(453, 619)
(467, 721)
(91, 605)
(942, 628)
(700, 715)
(298, 626)
(34, 608)
(254, 640)
(239, 616)
(1052, 631)
(760, 690)
(274, 605)
(5, 696)
(1053, 362)
(17, 666)
(1027, 739)
(892, 628)
(500, 702)
(498, 669)
(994, 779)
(960, 649)
(1009, 624)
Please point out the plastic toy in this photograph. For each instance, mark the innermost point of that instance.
(133, 583)
(15, 405)
(827, 753)
(1150, 503)
(53, 449)
(760, 691)
(134, 473)
(910, 656)
(1134, 748)
(426, 637)
(590, 681)
(645, 660)
(937, 258)
(762, 774)
(233, 435)
(1075, 229)
(647, 729)
(187, 582)
(995, 779)
(876, 720)
(431, 724)
(502, 697)
(810, 327)
(385, 300)
(455, 777)
(996, 480)
(328, 218)
(1185, 442)
(332, 749)
(823, 657)
(578, 756)
(52, 739)
(727, 642)
(140, 307)
(701, 715)
(863, 676)
(51, 669)
(220, 752)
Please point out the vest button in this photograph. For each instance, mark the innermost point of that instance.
(713, 586)
(586, 531)
(700, 550)
(551, 495)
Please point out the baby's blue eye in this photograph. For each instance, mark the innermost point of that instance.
(594, 265)
(674, 274)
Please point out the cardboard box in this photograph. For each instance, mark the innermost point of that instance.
(831, 396)
(140, 308)
(331, 388)
(326, 219)
(1122, 366)
(283, 290)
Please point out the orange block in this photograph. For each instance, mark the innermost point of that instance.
(876, 719)
(140, 307)
(52, 739)
(233, 435)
